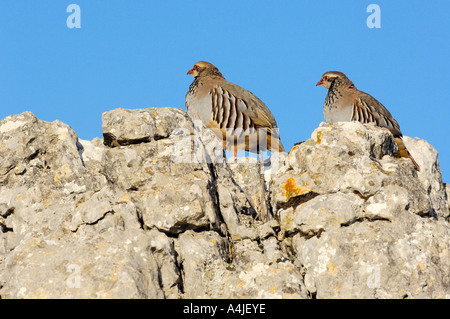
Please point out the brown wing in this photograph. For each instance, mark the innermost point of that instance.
(239, 112)
(367, 109)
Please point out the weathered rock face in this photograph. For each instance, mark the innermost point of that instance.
(153, 211)
(363, 224)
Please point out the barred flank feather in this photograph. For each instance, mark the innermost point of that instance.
(238, 128)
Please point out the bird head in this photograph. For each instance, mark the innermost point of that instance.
(203, 68)
(329, 77)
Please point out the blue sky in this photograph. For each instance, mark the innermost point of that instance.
(135, 54)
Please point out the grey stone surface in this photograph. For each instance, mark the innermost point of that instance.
(153, 211)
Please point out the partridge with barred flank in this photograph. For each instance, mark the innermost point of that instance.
(237, 117)
(344, 102)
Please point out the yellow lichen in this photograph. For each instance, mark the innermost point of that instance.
(319, 137)
(124, 199)
(331, 268)
(291, 189)
(421, 266)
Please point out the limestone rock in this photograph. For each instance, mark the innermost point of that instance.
(430, 176)
(361, 223)
(153, 210)
(124, 126)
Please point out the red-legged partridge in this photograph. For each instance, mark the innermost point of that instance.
(237, 117)
(344, 102)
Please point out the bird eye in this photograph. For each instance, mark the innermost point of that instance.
(195, 67)
(325, 78)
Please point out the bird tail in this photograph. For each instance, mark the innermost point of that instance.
(403, 152)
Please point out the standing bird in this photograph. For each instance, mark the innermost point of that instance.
(344, 102)
(237, 117)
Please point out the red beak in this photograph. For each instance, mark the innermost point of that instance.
(190, 71)
(319, 83)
